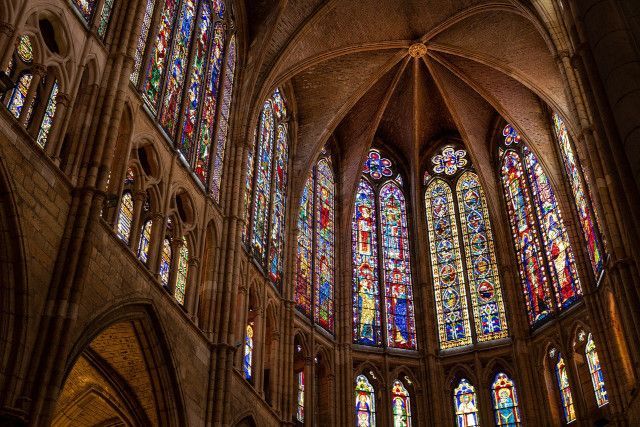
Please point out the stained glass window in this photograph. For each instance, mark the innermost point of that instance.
(324, 245)
(267, 192)
(505, 401)
(19, 95)
(304, 255)
(247, 362)
(400, 405)
(177, 69)
(555, 237)
(85, 7)
(396, 268)
(381, 206)
(300, 394)
(366, 303)
(145, 238)
(105, 15)
(223, 120)
(482, 268)
(25, 49)
(466, 408)
(581, 197)
(597, 378)
(125, 216)
(183, 269)
(159, 53)
(541, 239)
(278, 206)
(165, 262)
(207, 128)
(449, 161)
(566, 398)
(315, 250)
(47, 120)
(142, 40)
(365, 405)
(201, 43)
(450, 292)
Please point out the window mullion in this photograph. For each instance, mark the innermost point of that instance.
(314, 245)
(382, 279)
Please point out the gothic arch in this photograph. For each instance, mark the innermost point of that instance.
(155, 350)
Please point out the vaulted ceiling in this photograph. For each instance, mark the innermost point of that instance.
(348, 68)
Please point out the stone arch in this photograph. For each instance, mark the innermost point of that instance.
(156, 395)
(14, 292)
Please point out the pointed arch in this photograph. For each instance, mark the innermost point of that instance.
(465, 402)
(400, 405)
(505, 401)
(365, 402)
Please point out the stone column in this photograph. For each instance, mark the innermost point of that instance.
(136, 220)
(191, 291)
(6, 36)
(38, 71)
(54, 140)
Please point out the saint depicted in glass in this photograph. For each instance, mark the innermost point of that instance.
(566, 397)
(505, 401)
(247, 361)
(400, 405)
(265, 189)
(597, 378)
(464, 401)
(315, 251)
(545, 257)
(125, 216)
(300, 399)
(380, 205)
(365, 403)
(183, 269)
(581, 197)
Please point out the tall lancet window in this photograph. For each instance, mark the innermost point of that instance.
(365, 402)
(178, 67)
(400, 405)
(597, 378)
(265, 188)
(581, 197)
(564, 387)
(380, 227)
(545, 256)
(315, 260)
(468, 294)
(465, 404)
(505, 401)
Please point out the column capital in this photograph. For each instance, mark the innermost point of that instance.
(38, 70)
(63, 99)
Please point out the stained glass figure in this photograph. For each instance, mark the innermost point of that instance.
(597, 378)
(377, 166)
(145, 238)
(176, 73)
(526, 238)
(300, 399)
(194, 88)
(324, 245)
(47, 120)
(482, 268)
(505, 401)
(581, 197)
(165, 262)
(142, 40)
(466, 408)
(248, 185)
(19, 95)
(223, 120)
(366, 308)
(183, 269)
(247, 362)
(400, 405)
(556, 240)
(125, 216)
(396, 268)
(105, 16)
(263, 181)
(155, 71)
(450, 292)
(304, 255)
(566, 398)
(24, 49)
(85, 7)
(449, 161)
(266, 187)
(207, 124)
(365, 405)
(278, 206)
